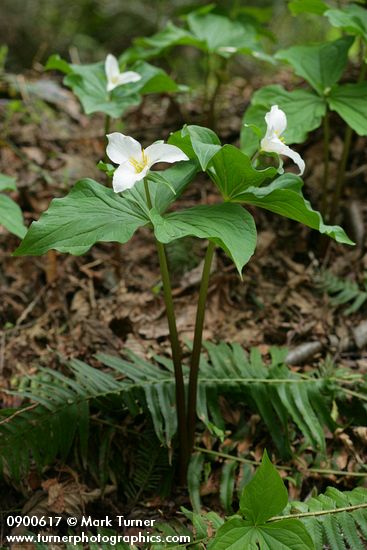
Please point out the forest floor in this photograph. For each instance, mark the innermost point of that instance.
(109, 299)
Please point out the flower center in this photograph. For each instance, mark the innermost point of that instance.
(277, 133)
(139, 165)
(115, 79)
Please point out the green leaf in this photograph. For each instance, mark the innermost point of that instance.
(7, 183)
(283, 196)
(88, 214)
(233, 172)
(154, 80)
(56, 63)
(351, 18)
(11, 216)
(286, 534)
(239, 534)
(205, 143)
(199, 143)
(307, 6)
(265, 496)
(235, 534)
(227, 225)
(159, 43)
(194, 478)
(304, 110)
(91, 213)
(222, 35)
(350, 102)
(227, 483)
(321, 65)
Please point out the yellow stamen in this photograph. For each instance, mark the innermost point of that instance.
(139, 165)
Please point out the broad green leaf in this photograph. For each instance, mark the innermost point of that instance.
(321, 65)
(227, 225)
(199, 143)
(154, 80)
(154, 46)
(205, 143)
(56, 63)
(91, 213)
(88, 214)
(233, 172)
(351, 18)
(265, 496)
(286, 534)
(318, 7)
(350, 102)
(283, 196)
(222, 35)
(7, 183)
(304, 110)
(239, 534)
(11, 216)
(235, 534)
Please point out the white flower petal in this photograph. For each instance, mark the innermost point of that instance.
(163, 152)
(120, 148)
(275, 145)
(111, 67)
(125, 177)
(128, 76)
(276, 120)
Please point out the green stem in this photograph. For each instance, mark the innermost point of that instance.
(324, 471)
(320, 512)
(345, 154)
(176, 352)
(326, 127)
(341, 174)
(196, 351)
(107, 123)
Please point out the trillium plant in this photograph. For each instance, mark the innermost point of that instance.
(106, 87)
(141, 197)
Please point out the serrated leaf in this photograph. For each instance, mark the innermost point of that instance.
(227, 225)
(321, 65)
(238, 534)
(350, 102)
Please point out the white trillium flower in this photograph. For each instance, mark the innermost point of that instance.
(273, 142)
(115, 77)
(134, 161)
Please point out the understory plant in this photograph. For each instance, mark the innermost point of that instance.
(218, 37)
(106, 87)
(322, 66)
(140, 197)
